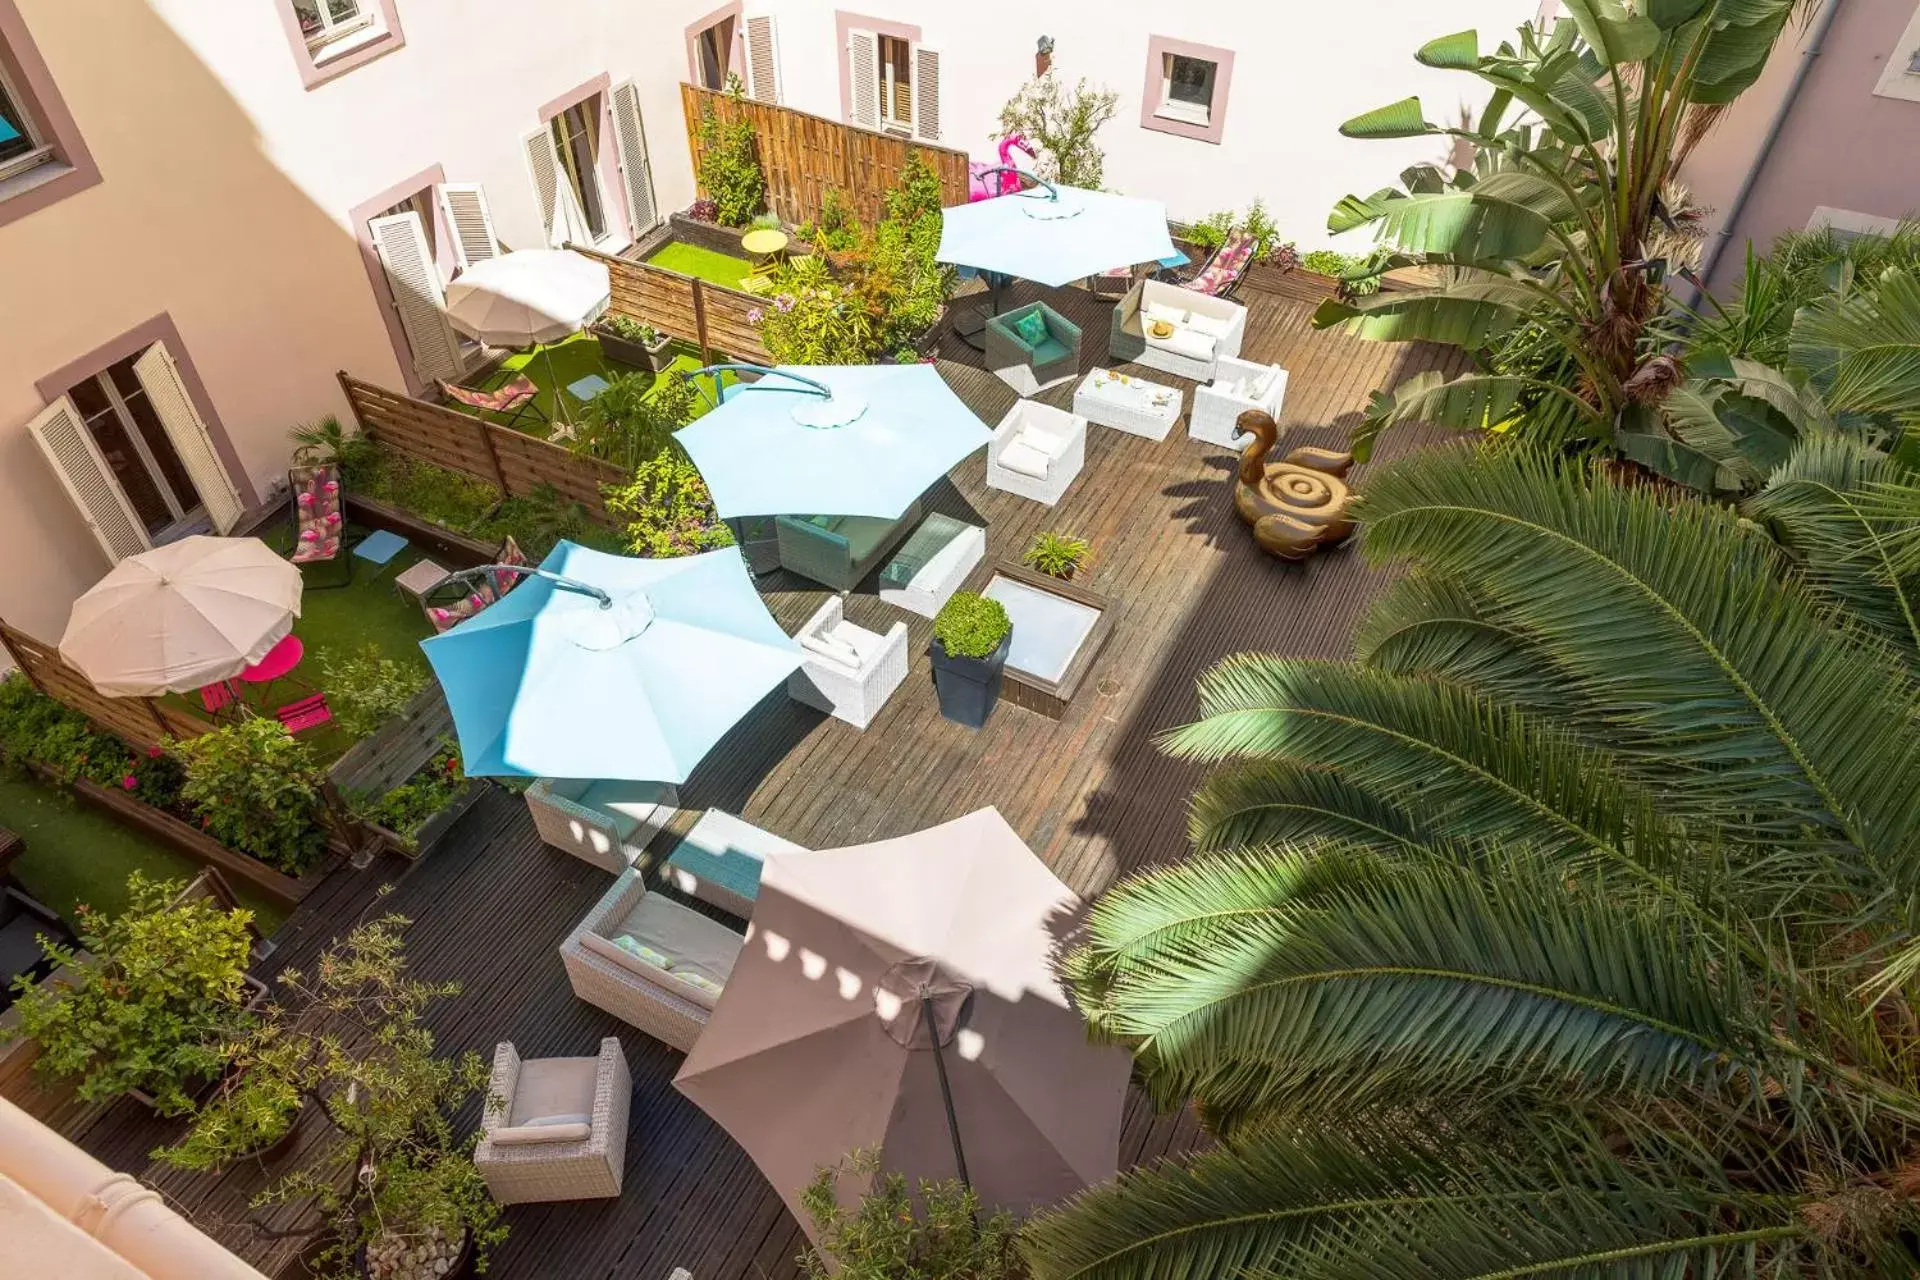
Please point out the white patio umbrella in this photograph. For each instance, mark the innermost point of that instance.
(530, 296)
(181, 616)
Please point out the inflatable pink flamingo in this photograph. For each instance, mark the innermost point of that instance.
(986, 181)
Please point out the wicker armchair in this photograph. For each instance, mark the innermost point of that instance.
(1030, 367)
(838, 551)
(849, 672)
(656, 1000)
(1238, 385)
(1036, 451)
(555, 1128)
(605, 823)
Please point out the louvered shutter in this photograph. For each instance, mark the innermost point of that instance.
(465, 204)
(417, 296)
(763, 61)
(863, 74)
(543, 163)
(84, 474)
(926, 94)
(630, 144)
(160, 379)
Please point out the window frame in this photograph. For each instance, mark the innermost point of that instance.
(365, 17)
(596, 92)
(1160, 112)
(561, 126)
(58, 164)
(322, 60)
(697, 32)
(891, 88)
(845, 24)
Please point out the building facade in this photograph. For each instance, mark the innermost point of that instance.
(1822, 138)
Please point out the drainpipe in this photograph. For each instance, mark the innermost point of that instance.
(1816, 37)
(127, 1218)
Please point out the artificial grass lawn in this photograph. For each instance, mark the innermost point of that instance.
(722, 269)
(76, 854)
(572, 359)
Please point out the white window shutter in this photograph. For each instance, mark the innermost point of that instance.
(763, 60)
(465, 204)
(543, 163)
(88, 480)
(417, 296)
(863, 74)
(926, 94)
(160, 379)
(630, 143)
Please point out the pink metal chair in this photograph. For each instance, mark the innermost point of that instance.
(305, 713)
(1222, 274)
(513, 399)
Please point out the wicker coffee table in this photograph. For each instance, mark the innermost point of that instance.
(1127, 403)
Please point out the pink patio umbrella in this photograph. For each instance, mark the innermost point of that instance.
(900, 995)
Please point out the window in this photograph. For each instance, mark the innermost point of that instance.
(420, 205)
(896, 84)
(42, 156)
(326, 22)
(1900, 75)
(713, 49)
(576, 132)
(121, 420)
(1186, 89)
(332, 37)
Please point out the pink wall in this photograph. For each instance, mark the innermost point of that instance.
(1842, 146)
(27, 72)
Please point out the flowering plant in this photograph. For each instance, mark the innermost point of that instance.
(256, 788)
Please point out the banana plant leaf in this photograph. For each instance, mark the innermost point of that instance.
(1464, 312)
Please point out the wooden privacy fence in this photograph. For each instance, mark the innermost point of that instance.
(709, 316)
(139, 722)
(805, 156)
(511, 461)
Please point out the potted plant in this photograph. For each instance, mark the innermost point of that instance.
(1057, 555)
(939, 1228)
(153, 1005)
(398, 1195)
(971, 636)
(625, 340)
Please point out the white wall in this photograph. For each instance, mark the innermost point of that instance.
(1300, 69)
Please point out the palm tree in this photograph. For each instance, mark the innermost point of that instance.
(1553, 249)
(1568, 930)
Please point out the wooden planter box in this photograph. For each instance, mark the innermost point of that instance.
(455, 549)
(635, 355)
(388, 757)
(709, 235)
(428, 836)
(284, 891)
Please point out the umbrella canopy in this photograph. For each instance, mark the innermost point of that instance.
(1054, 235)
(780, 446)
(623, 669)
(821, 1044)
(181, 616)
(529, 295)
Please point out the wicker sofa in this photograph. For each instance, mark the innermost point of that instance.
(605, 823)
(555, 1128)
(614, 961)
(838, 551)
(1203, 329)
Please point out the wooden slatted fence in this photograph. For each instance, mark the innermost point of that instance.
(805, 156)
(712, 318)
(139, 722)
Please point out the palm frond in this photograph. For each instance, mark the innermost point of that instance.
(1863, 348)
(1425, 624)
(1284, 802)
(1672, 621)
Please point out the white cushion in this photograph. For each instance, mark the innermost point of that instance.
(678, 983)
(1186, 342)
(1212, 326)
(1023, 458)
(830, 647)
(1233, 389)
(693, 940)
(1263, 384)
(862, 643)
(1160, 311)
(572, 1117)
(519, 1135)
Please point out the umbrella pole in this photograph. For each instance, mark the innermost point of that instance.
(559, 392)
(946, 1089)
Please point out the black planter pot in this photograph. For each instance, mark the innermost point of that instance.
(634, 354)
(968, 687)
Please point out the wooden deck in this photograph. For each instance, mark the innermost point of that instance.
(1090, 793)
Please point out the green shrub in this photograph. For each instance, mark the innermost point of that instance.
(624, 326)
(368, 688)
(1212, 231)
(256, 788)
(668, 509)
(729, 169)
(633, 418)
(916, 193)
(1056, 554)
(248, 1114)
(326, 443)
(153, 1003)
(941, 1233)
(38, 730)
(970, 625)
(765, 222)
(814, 318)
(404, 810)
(836, 229)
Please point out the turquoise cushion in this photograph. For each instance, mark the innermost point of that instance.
(1032, 328)
(1051, 350)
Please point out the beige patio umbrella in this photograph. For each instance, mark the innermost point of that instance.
(859, 961)
(182, 615)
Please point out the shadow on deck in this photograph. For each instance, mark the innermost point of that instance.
(1089, 792)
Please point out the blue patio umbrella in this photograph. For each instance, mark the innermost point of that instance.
(844, 440)
(1054, 235)
(603, 666)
